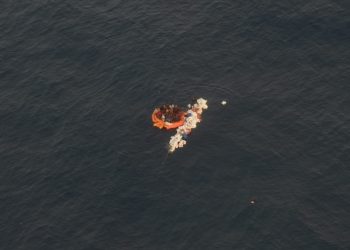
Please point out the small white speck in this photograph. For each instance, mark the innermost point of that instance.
(223, 103)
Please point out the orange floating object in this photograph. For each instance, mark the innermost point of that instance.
(159, 123)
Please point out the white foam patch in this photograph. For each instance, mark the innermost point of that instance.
(192, 118)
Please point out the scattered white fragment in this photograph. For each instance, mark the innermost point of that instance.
(223, 103)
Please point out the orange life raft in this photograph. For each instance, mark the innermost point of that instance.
(159, 123)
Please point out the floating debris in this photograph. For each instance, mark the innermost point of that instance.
(192, 117)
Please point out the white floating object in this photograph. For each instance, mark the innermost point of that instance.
(223, 103)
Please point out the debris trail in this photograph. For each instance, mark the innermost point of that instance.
(193, 116)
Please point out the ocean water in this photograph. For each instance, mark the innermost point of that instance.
(81, 166)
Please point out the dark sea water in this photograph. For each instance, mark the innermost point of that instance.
(81, 166)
